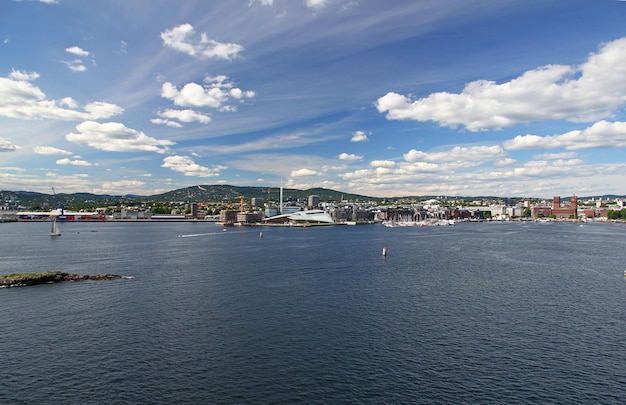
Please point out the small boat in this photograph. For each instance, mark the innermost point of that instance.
(55, 228)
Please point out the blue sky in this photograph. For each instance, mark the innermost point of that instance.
(420, 97)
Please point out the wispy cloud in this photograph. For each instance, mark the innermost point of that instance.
(555, 156)
(42, 1)
(78, 64)
(316, 4)
(50, 150)
(275, 142)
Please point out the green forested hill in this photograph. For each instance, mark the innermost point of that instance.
(201, 193)
(226, 193)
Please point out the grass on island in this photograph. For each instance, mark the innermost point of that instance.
(28, 276)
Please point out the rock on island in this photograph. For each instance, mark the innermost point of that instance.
(49, 277)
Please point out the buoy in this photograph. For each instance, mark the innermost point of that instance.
(261, 234)
(384, 251)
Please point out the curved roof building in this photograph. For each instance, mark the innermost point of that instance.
(310, 217)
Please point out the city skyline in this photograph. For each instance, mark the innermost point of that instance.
(407, 98)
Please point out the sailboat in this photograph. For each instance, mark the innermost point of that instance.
(55, 228)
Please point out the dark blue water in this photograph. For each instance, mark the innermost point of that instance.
(475, 313)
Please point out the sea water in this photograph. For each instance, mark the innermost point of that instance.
(472, 313)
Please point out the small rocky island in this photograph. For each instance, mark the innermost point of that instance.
(49, 277)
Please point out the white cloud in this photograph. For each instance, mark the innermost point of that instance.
(21, 75)
(349, 157)
(555, 156)
(100, 110)
(50, 150)
(602, 134)
(115, 137)
(545, 168)
(458, 154)
(119, 187)
(359, 136)
(15, 91)
(7, 146)
(66, 161)
(215, 94)
(383, 163)
(316, 4)
(185, 116)
(263, 2)
(121, 48)
(304, 172)
(505, 162)
(188, 167)
(591, 91)
(68, 102)
(169, 123)
(78, 51)
(75, 65)
(183, 39)
(41, 1)
(23, 100)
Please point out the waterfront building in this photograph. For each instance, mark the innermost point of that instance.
(560, 210)
(228, 217)
(564, 211)
(302, 218)
(246, 218)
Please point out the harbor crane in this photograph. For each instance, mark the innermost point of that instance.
(269, 190)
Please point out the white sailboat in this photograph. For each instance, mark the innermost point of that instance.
(55, 228)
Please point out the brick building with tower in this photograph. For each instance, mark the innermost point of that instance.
(559, 209)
